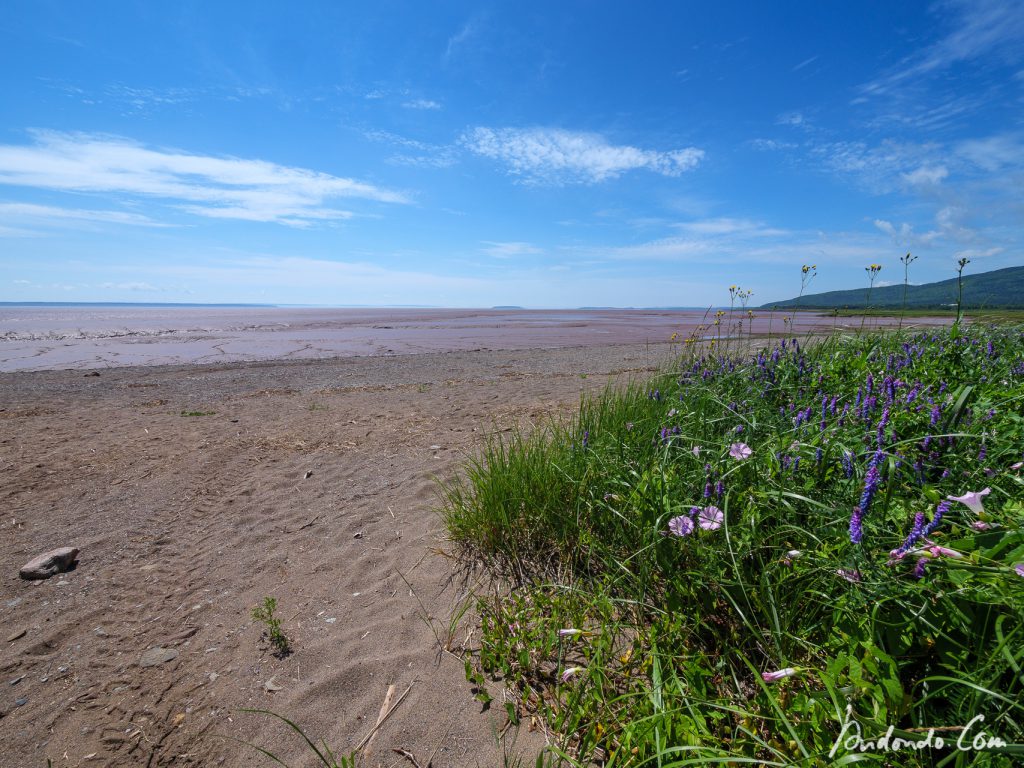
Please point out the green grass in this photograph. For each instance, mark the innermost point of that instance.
(676, 632)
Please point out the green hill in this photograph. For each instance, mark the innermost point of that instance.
(999, 289)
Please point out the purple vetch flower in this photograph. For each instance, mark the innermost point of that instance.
(915, 533)
(720, 489)
(982, 453)
(935, 415)
(740, 451)
(779, 674)
(681, 526)
(571, 672)
(586, 438)
(972, 499)
(847, 461)
(919, 568)
(738, 428)
(710, 518)
(940, 511)
(1019, 569)
(856, 522)
(707, 490)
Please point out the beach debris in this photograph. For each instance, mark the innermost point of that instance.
(16, 635)
(271, 685)
(386, 710)
(90, 373)
(309, 474)
(50, 563)
(17, 680)
(156, 656)
(357, 535)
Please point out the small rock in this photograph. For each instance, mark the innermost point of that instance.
(49, 564)
(156, 656)
(100, 632)
(16, 636)
(271, 685)
(17, 680)
(91, 373)
(435, 447)
(358, 535)
(20, 702)
(309, 474)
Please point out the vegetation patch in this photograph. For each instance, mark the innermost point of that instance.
(773, 558)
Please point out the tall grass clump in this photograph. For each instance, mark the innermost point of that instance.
(769, 559)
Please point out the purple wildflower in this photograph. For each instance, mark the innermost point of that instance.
(740, 451)
(919, 568)
(680, 526)
(781, 674)
(972, 499)
(856, 520)
(915, 533)
(936, 521)
(710, 518)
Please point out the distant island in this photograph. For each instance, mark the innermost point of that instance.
(999, 289)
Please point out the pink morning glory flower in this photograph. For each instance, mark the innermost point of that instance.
(1018, 465)
(570, 673)
(696, 450)
(680, 526)
(972, 499)
(710, 518)
(781, 674)
(569, 632)
(740, 451)
(1019, 569)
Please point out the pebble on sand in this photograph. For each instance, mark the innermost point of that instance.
(49, 564)
(156, 656)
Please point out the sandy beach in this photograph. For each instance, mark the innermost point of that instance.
(195, 491)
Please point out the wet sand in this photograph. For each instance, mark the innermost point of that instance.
(50, 338)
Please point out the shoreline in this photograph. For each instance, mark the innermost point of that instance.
(79, 340)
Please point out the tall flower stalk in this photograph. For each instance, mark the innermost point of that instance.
(906, 261)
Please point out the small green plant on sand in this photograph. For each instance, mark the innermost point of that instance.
(324, 756)
(272, 627)
(198, 413)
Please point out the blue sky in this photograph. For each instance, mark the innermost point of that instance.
(476, 154)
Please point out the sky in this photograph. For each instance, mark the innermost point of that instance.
(473, 154)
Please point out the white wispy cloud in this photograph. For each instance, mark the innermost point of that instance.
(506, 250)
(926, 175)
(556, 156)
(203, 185)
(993, 153)
(28, 211)
(804, 63)
(419, 154)
(979, 28)
(429, 104)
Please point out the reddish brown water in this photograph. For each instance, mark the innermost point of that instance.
(48, 338)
